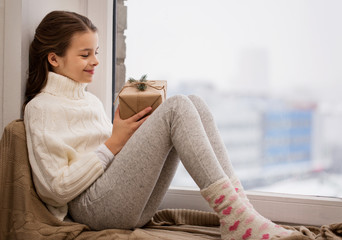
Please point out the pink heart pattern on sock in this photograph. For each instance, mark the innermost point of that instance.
(265, 236)
(235, 226)
(227, 211)
(247, 234)
(237, 219)
(220, 199)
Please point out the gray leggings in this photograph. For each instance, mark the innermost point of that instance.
(131, 189)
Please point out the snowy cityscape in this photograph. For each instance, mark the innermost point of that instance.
(275, 145)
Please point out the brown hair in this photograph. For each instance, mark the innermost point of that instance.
(53, 34)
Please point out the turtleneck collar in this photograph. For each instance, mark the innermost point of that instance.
(60, 85)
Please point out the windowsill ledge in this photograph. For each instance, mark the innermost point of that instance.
(285, 208)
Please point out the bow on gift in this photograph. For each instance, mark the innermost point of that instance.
(140, 84)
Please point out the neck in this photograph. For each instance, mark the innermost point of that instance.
(60, 85)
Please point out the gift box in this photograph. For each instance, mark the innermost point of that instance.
(132, 99)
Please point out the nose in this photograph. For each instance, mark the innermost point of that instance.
(94, 61)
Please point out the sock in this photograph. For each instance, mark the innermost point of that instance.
(237, 221)
(240, 191)
(242, 194)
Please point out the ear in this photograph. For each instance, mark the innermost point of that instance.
(53, 59)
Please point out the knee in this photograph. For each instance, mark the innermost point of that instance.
(202, 107)
(178, 101)
(195, 98)
(178, 106)
(197, 101)
(178, 98)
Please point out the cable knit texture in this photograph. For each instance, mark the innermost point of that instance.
(64, 126)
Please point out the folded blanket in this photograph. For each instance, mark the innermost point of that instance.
(207, 223)
(24, 216)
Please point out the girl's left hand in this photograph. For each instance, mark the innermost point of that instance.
(124, 129)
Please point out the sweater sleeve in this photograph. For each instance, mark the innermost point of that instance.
(60, 173)
(105, 155)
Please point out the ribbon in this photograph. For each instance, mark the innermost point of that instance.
(145, 84)
(137, 83)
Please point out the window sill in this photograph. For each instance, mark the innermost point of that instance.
(285, 208)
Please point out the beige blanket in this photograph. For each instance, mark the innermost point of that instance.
(24, 216)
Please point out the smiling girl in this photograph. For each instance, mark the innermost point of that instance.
(115, 175)
(80, 60)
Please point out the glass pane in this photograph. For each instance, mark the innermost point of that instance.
(270, 72)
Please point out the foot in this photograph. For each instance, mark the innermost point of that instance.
(237, 220)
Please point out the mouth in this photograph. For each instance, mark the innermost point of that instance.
(90, 71)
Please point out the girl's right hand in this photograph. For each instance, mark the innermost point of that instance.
(124, 129)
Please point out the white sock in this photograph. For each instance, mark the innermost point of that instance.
(237, 220)
(240, 190)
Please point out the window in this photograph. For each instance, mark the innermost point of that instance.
(269, 72)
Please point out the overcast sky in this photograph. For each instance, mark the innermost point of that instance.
(271, 45)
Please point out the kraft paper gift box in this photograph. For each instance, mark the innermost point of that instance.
(132, 100)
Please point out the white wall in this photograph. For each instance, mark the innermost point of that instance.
(18, 21)
(11, 77)
(2, 13)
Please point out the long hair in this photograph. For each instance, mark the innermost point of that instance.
(53, 34)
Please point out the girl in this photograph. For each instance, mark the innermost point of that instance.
(115, 175)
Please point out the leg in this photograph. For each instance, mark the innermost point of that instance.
(118, 198)
(161, 187)
(212, 132)
(238, 219)
(217, 144)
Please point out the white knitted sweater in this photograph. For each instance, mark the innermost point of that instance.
(64, 126)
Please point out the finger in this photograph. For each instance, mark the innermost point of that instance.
(117, 113)
(140, 114)
(143, 119)
(140, 122)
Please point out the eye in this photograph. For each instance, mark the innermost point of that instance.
(96, 53)
(85, 55)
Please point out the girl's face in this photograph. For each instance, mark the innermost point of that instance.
(80, 59)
